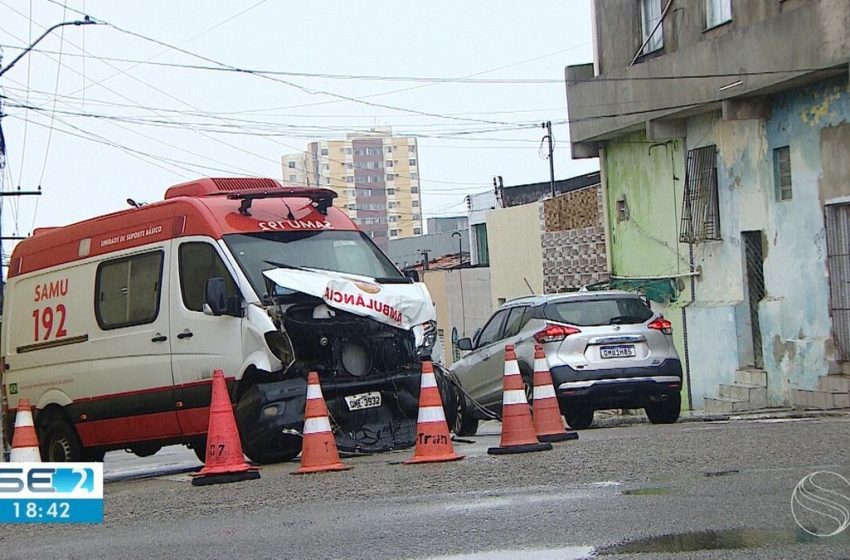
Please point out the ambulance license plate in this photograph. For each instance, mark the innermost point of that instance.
(625, 351)
(363, 400)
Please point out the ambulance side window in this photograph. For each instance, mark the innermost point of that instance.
(128, 290)
(198, 263)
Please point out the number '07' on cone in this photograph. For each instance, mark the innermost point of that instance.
(433, 443)
(224, 460)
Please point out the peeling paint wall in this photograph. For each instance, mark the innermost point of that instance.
(794, 315)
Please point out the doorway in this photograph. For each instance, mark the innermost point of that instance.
(754, 262)
(838, 265)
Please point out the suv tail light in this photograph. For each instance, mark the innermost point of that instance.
(662, 324)
(554, 333)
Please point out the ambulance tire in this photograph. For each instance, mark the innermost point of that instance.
(264, 457)
(60, 443)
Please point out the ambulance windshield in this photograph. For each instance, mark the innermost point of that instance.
(340, 251)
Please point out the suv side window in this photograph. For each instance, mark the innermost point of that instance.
(516, 321)
(198, 263)
(127, 290)
(490, 332)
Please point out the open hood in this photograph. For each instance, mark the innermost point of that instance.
(399, 305)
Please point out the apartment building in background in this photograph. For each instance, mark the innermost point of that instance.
(376, 178)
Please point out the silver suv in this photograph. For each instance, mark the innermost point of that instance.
(605, 350)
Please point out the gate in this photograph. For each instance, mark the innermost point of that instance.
(838, 264)
(754, 257)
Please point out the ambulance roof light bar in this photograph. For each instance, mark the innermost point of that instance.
(321, 198)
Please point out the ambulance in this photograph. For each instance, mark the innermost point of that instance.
(112, 327)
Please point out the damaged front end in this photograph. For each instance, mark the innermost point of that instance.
(369, 369)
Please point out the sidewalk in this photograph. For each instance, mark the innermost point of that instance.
(613, 418)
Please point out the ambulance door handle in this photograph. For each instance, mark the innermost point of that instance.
(159, 338)
(186, 334)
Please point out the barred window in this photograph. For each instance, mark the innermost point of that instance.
(700, 211)
(782, 172)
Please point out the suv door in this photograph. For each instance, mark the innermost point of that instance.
(516, 319)
(475, 369)
(200, 343)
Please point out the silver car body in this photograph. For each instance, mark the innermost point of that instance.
(592, 353)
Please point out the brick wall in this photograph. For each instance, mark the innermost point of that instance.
(573, 240)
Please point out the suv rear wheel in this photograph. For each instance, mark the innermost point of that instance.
(665, 412)
(578, 417)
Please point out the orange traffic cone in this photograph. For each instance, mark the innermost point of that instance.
(224, 459)
(24, 440)
(433, 443)
(517, 430)
(547, 416)
(318, 451)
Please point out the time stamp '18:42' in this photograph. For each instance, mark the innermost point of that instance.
(35, 510)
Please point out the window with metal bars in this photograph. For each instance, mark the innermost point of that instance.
(700, 212)
(782, 172)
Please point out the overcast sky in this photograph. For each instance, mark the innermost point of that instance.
(100, 131)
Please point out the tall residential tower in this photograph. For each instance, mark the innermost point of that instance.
(376, 176)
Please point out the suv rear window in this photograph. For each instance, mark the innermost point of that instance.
(588, 313)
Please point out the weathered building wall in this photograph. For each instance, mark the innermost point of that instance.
(516, 259)
(644, 234)
(573, 240)
(794, 315)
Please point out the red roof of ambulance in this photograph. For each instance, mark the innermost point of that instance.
(200, 207)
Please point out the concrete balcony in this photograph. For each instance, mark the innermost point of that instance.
(800, 46)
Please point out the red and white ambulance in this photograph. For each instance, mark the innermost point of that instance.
(113, 326)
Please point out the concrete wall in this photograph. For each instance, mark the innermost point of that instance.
(407, 251)
(463, 302)
(515, 253)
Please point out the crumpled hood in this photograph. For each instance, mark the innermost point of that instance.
(399, 305)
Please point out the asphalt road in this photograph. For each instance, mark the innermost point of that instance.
(690, 490)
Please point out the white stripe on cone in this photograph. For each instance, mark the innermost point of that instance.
(314, 392)
(541, 365)
(544, 392)
(25, 455)
(428, 380)
(317, 425)
(431, 414)
(511, 368)
(514, 396)
(23, 418)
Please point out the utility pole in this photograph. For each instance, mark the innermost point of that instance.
(548, 126)
(425, 253)
(460, 278)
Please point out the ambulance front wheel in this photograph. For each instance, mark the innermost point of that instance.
(60, 443)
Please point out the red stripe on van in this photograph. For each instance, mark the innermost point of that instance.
(160, 425)
(228, 380)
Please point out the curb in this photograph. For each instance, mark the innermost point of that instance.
(629, 419)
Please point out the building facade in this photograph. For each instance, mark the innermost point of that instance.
(721, 127)
(376, 178)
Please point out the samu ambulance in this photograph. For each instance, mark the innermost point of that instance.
(113, 326)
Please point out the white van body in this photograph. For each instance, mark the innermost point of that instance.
(112, 327)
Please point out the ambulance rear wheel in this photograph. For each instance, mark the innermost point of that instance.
(60, 443)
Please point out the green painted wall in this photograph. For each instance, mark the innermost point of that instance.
(649, 176)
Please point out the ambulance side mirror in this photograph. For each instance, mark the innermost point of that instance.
(216, 300)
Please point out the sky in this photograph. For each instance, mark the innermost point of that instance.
(93, 132)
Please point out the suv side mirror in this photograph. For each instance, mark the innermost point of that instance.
(464, 344)
(216, 301)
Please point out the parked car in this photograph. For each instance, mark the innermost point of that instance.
(605, 349)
